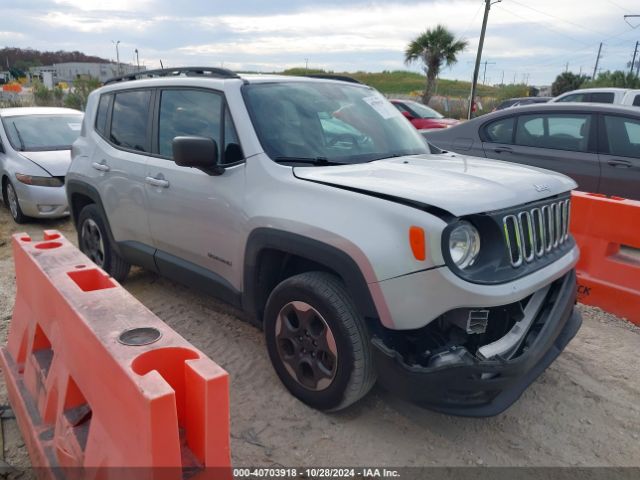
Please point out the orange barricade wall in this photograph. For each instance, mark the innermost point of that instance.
(607, 277)
(92, 399)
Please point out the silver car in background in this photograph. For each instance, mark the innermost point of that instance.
(34, 159)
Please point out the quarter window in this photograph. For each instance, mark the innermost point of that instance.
(500, 131)
(232, 150)
(130, 120)
(101, 116)
(602, 97)
(636, 101)
(555, 131)
(188, 113)
(623, 136)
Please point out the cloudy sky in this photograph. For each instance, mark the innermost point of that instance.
(524, 38)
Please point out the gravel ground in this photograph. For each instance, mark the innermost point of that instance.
(584, 410)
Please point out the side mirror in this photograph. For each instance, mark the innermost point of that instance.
(407, 115)
(197, 152)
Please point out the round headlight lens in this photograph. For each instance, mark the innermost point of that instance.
(464, 244)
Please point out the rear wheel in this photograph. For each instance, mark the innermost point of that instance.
(317, 341)
(11, 200)
(93, 241)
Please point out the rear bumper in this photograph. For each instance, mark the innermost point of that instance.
(482, 388)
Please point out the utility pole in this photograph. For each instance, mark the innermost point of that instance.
(116, 43)
(137, 59)
(633, 62)
(595, 69)
(484, 74)
(515, 74)
(502, 80)
(566, 68)
(306, 65)
(476, 70)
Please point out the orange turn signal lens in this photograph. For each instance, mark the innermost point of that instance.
(418, 243)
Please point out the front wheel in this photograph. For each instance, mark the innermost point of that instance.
(94, 243)
(11, 199)
(318, 342)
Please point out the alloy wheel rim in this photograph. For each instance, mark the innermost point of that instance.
(306, 346)
(13, 201)
(92, 243)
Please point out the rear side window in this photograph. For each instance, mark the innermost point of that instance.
(188, 113)
(623, 136)
(101, 116)
(576, 97)
(555, 131)
(602, 97)
(130, 120)
(500, 131)
(636, 101)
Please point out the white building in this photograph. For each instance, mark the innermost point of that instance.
(68, 72)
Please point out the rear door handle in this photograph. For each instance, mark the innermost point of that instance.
(157, 182)
(103, 167)
(619, 163)
(503, 149)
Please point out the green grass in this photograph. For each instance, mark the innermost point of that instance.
(407, 83)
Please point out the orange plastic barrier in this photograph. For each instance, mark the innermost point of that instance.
(100, 386)
(607, 277)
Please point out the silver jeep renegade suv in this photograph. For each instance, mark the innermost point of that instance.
(311, 203)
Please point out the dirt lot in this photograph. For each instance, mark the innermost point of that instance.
(584, 410)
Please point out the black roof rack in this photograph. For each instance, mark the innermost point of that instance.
(174, 72)
(328, 76)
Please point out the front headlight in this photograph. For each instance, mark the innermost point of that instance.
(464, 244)
(39, 181)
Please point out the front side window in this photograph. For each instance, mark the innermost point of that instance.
(623, 136)
(576, 97)
(500, 131)
(42, 132)
(185, 112)
(555, 131)
(130, 120)
(329, 121)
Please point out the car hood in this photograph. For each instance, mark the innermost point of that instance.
(460, 184)
(56, 162)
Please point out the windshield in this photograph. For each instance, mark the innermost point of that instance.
(422, 111)
(328, 121)
(42, 132)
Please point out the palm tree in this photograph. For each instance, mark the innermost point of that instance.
(434, 48)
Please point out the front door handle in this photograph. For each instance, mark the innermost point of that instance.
(620, 163)
(503, 149)
(157, 182)
(103, 167)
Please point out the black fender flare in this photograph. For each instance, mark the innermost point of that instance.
(311, 249)
(76, 187)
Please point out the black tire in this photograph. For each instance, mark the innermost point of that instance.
(93, 241)
(15, 210)
(352, 372)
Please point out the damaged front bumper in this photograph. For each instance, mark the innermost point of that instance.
(478, 387)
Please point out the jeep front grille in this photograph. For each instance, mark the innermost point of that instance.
(533, 233)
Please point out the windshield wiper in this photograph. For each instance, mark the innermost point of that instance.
(307, 160)
(22, 147)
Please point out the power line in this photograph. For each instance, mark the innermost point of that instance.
(472, 19)
(616, 5)
(542, 25)
(590, 30)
